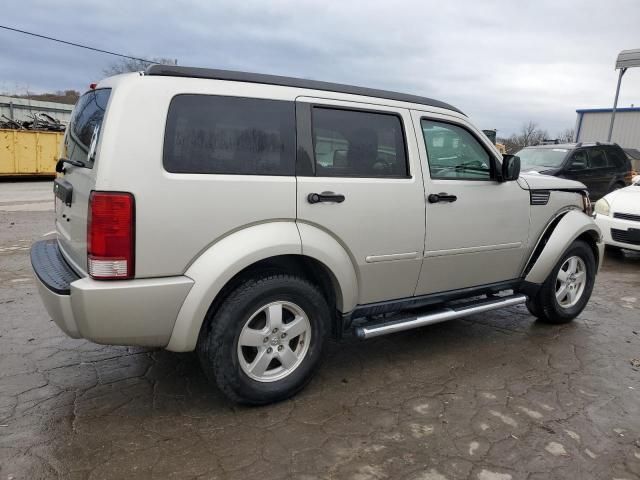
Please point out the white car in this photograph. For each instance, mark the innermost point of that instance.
(618, 216)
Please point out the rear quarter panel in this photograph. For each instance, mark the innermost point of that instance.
(179, 215)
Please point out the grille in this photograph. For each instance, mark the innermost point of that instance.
(540, 197)
(627, 216)
(625, 236)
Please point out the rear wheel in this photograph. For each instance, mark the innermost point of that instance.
(266, 340)
(566, 291)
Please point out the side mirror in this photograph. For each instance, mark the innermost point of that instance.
(510, 167)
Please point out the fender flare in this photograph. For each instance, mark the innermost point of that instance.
(570, 226)
(224, 259)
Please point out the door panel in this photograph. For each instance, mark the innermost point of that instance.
(600, 172)
(577, 168)
(380, 222)
(481, 236)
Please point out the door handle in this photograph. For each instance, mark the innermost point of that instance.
(325, 197)
(441, 197)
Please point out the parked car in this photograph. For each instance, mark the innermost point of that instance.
(602, 167)
(249, 217)
(618, 216)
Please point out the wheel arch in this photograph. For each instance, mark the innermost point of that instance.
(561, 233)
(275, 246)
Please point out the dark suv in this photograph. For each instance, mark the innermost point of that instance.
(602, 167)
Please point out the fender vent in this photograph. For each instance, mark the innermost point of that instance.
(539, 197)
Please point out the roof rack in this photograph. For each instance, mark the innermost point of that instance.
(229, 75)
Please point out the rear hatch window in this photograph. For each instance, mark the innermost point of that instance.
(81, 140)
(84, 129)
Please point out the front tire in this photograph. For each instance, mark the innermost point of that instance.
(266, 340)
(566, 291)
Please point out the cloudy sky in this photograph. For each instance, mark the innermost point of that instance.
(502, 62)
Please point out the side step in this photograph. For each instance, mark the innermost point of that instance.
(393, 325)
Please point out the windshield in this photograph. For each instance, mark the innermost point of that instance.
(84, 128)
(542, 157)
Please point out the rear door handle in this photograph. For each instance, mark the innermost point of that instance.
(325, 197)
(441, 197)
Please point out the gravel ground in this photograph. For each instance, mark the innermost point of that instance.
(495, 396)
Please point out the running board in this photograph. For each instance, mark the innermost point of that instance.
(436, 316)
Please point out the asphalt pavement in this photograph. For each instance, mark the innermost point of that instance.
(495, 396)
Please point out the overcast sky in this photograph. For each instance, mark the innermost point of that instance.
(502, 62)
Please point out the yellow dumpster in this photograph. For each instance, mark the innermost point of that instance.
(29, 153)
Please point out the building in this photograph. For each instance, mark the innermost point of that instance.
(20, 109)
(592, 125)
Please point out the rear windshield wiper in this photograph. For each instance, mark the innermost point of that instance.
(62, 161)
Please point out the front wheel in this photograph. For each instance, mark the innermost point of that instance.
(266, 340)
(566, 291)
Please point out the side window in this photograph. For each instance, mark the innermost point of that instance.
(616, 157)
(350, 143)
(597, 158)
(229, 135)
(579, 160)
(454, 153)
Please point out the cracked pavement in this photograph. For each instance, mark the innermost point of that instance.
(495, 396)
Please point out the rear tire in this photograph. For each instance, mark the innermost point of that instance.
(266, 339)
(566, 291)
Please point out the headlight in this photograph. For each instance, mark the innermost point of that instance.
(602, 207)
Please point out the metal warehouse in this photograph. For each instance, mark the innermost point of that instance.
(592, 125)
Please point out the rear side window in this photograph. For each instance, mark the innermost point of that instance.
(349, 143)
(230, 135)
(84, 129)
(597, 158)
(617, 157)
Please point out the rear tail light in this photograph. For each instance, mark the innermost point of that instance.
(111, 235)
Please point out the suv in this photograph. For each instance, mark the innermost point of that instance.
(250, 217)
(602, 167)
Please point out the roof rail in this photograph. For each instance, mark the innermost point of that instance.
(229, 75)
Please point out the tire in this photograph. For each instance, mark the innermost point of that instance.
(244, 336)
(547, 305)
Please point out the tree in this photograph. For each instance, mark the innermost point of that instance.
(125, 65)
(529, 135)
(567, 135)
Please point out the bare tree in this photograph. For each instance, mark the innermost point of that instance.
(132, 65)
(529, 135)
(567, 135)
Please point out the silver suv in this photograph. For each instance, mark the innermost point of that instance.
(250, 217)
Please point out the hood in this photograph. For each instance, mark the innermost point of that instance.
(626, 200)
(538, 181)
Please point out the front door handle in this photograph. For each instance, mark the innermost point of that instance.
(441, 197)
(325, 197)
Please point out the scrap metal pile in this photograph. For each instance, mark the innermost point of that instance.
(39, 121)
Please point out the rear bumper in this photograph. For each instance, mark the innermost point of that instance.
(123, 312)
